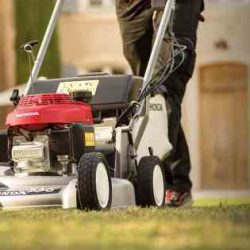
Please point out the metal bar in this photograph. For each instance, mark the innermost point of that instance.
(143, 111)
(156, 49)
(158, 42)
(45, 44)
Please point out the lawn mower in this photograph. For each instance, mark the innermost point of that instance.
(92, 142)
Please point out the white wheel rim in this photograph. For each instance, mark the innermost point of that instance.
(102, 185)
(158, 185)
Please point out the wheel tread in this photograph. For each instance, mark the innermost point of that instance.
(86, 181)
(144, 187)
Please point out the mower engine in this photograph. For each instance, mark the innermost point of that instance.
(33, 156)
(48, 133)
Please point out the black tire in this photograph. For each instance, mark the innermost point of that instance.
(87, 187)
(145, 195)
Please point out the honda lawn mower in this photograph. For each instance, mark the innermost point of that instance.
(92, 142)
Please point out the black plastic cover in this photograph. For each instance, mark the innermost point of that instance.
(3, 146)
(71, 141)
(112, 92)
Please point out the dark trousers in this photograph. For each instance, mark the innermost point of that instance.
(137, 30)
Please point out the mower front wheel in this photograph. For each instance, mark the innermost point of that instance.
(150, 186)
(94, 189)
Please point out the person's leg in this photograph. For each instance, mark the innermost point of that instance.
(185, 26)
(181, 165)
(178, 164)
(135, 20)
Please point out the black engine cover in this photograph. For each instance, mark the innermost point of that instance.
(4, 146)
(71, 141)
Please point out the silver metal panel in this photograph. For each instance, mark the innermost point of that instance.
(27, 181)
(4, 171)
(69, 195)
(28, 201)
(33, 191)
(121, 157)
(42, 191)
(123, 193)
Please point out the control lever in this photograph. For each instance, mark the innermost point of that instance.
(29, 46)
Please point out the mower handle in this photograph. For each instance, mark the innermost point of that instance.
(45, 44)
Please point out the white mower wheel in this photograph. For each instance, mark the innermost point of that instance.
(151, 185)
(94, 189)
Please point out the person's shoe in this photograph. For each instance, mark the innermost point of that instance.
(178, 199)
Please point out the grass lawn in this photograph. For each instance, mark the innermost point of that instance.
(210, 224)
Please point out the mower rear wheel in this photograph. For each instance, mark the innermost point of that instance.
(151, 185)
(94, 191)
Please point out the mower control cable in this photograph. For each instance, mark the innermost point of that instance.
(164, 72)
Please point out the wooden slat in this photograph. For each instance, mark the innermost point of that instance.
(224, 140)
(227, 77)
(3, 114)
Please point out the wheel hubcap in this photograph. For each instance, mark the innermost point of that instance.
(158, 185)
(102, 185)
